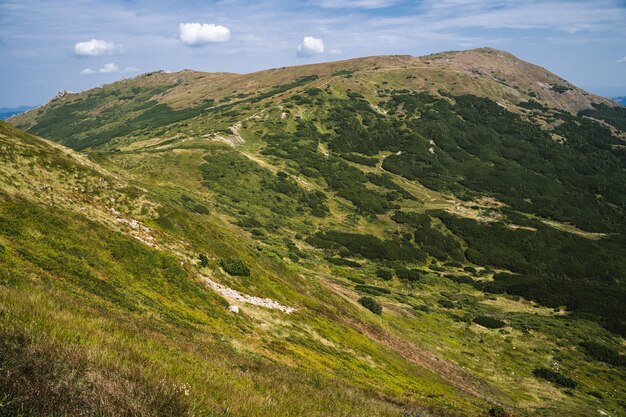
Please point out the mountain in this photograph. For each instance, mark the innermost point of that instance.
(6, 112)
(395, 235)
(620, 100)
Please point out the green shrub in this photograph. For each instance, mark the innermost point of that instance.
(385, 274)
(204, 260)
(235, 267)
(411, 275)
(445, 303)
(489, 322)
(370, 289)
(343, 262)
(603, 353)
(371, 305)
(555, 377)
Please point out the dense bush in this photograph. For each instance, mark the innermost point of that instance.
(385, 274)
(373, 290)
(367, 246)
(553, 267)
(204, 260)
(371, 304)
(343, 262)
(410, 275)
(235, 267)
(489, 322)
(555, 377)
(445, 303)
(604, 353)
(432, 241)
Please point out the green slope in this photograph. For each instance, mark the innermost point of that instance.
(485, 217)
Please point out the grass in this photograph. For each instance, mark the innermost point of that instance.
(129, 329)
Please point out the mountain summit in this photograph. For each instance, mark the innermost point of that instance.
(394, 235)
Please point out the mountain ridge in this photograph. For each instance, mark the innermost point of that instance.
(450, 243)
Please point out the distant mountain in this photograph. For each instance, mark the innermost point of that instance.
(6, 112)
(621, 100)
(439, 236)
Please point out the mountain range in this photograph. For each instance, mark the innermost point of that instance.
(388, 236)
(6, 112)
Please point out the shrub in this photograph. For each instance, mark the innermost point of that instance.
(498, 411)
(489, 322)
(235, 267)
(385, 274)
(370, 289)
(410, 275)
(555, 377)
(204, 260)
(343, 262)
(446, 303)
(603, 353)
(371, 305)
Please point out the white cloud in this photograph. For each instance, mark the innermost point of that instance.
(622, 60)
(310, 46)
(197, 34)
(335, 52)
(108, 69)
(95, 47)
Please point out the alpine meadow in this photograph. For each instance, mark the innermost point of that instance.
(394, 235)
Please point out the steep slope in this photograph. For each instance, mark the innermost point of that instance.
(476, 198)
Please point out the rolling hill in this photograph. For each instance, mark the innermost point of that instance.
(395, 235)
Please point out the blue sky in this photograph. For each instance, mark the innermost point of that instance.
(47, 46)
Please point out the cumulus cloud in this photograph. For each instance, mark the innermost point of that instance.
(95, 47)
(622, 60)
(198, 34)
(310, 46)
(108, 69)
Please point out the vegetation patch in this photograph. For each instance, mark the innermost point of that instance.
(555, 377)
(371, 304)
(235, 267)
(489, 322)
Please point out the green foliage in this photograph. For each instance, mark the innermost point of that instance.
(489, 322)
(384, 274)
(371, 304)
(429, 239)
(555, 268)
(410, 275)
(555, 377)
(204, 260)
(235, 267)
(445, 303)
(193, 205)
(482, 148)
(373, 290)
(603, 353)
(367, 246)
(343, 262)
(559, 88)
(359, 159)
(615, 116)
(532, 105)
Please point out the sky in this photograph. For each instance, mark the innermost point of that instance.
(47, 46)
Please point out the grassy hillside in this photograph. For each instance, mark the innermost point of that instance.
(449, 230)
